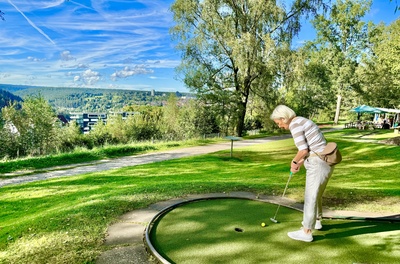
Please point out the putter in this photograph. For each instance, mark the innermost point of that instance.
(273, 219)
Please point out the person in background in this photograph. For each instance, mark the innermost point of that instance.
(385, 124)
(309, 140)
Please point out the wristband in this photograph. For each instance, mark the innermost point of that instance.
(294, 162)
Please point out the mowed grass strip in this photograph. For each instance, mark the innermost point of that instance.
(64, 220)
(30, 165)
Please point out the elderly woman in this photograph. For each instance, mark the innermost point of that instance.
(308, 140)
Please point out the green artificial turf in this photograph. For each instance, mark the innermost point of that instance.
(208, 231)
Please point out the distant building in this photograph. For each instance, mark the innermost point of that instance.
(11, 127)
(86, 121)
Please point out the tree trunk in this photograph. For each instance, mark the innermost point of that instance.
(338, 102)
(241, 116)
(240, 121)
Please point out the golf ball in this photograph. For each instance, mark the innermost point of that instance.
(262, 224)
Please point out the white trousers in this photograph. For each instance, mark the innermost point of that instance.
(318, 173)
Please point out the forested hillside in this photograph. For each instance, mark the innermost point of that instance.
(65, 100)
(6, 98)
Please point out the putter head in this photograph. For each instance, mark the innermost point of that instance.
(274, 220)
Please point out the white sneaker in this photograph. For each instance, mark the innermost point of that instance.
(318, 225)
(300, 235)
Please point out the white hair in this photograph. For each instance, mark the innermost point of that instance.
(283, 112)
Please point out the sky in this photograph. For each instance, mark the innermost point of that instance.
(120, 44)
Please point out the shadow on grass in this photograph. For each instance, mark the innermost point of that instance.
(344, 229)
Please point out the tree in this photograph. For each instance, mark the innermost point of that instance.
(100, 135)
(205, 121)
(195, 120)
(34, 125)
(116, 127)
(380, 71)
(146, 123)
(170, 117)
(230, 47)
(341, 38)
(70, 137)
(310, 89)
(9, 143)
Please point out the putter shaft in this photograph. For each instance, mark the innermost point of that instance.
(283, 195)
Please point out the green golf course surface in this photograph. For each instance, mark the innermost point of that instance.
(228, 230)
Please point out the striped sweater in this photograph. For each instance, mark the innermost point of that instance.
(307, 135)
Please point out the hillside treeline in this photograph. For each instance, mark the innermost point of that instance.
(7, 98)
(66, 100)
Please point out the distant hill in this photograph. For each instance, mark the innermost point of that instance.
(66, 100)
(14, 88)
(7, 98)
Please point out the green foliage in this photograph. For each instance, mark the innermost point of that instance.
(310, 89)
(341, 39)
(233, 50)
(99, 135)
(380, 82)
(170, 125)
(32, 130)
(70, 137)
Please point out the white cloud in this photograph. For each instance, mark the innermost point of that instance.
(82, 66)
(75, 66)
(90, 77)
(66, 55)
(128, 71)
(30, 58)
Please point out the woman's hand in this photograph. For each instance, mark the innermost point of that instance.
(295, 166)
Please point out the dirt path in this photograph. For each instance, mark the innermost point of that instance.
(103, 165)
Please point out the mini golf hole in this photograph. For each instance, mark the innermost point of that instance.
(238, 229)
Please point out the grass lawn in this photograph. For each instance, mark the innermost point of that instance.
(31, 165)
(64, 220)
